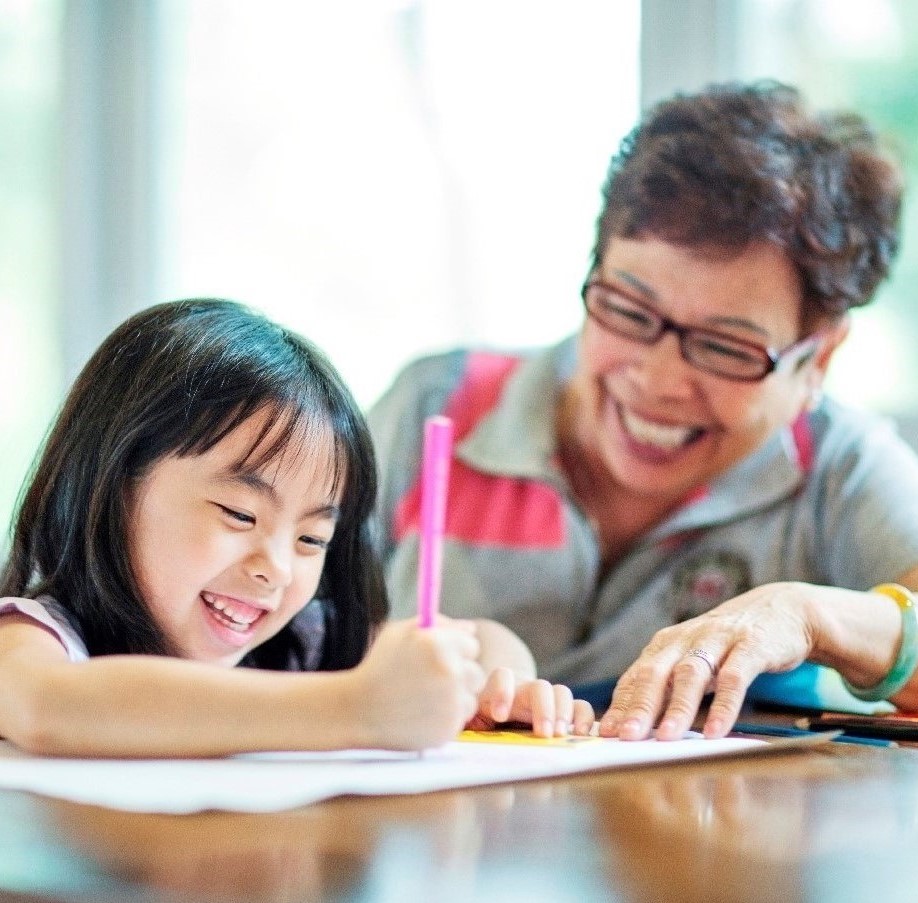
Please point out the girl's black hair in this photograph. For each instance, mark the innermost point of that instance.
(175, 379)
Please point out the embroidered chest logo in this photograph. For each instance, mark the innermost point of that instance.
(705, 581)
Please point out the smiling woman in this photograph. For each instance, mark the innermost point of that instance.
(667, 500)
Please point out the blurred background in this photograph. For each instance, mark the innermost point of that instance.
(388, 177)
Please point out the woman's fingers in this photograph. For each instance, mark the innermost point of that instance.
(693, 675)
(738, 671)
(635, 707)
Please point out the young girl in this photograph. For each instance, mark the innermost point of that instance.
(208, 476)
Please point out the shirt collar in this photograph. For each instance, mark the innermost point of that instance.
(517, 439)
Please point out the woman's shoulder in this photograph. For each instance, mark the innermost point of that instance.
(844, 430)
(426, 383)
(53, 617)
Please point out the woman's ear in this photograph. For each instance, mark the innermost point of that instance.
(830, 336)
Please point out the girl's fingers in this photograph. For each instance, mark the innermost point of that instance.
(564, 709)
(584, 718)
(473, 679)
(496, 699)
(542, 704)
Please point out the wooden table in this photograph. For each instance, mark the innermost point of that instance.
(835, 823)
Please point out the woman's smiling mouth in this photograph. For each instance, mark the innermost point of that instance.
(667, 438)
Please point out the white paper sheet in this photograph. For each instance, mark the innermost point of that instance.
(274, 781)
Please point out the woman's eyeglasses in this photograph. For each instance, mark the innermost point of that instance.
(708, 350)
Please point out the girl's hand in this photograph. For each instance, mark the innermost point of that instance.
(766, 629)
(550, 709)
(417, 687)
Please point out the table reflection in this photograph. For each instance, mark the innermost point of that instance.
(446, 846)
(768, 829)
(838, 824)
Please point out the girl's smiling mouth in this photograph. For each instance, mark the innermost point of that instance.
(237, 619)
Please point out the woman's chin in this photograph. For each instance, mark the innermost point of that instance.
(650, 470)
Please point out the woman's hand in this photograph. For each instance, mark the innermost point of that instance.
(418, 687)
(550, 708)
(768, 628)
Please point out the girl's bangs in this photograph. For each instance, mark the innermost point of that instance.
(291, 434)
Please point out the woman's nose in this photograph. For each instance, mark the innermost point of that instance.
(661, 367)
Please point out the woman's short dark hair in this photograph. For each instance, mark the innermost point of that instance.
(736, 164)
(174, 380)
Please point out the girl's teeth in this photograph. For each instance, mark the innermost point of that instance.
(231, 616)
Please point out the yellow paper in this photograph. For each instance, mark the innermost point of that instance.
(525, 738)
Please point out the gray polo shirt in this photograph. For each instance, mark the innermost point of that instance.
(833, 500)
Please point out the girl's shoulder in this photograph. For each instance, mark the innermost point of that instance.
(51, 615)
(309, 627)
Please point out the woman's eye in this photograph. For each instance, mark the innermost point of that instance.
(727, 350)
(630, 315)
(241, 516)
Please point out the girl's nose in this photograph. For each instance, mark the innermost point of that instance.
(271, 563)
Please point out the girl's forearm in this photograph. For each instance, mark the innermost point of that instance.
(129, 706)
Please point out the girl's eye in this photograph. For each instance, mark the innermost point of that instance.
(241, 516)
(315, 542)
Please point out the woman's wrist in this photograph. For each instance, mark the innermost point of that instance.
(858, 633)
(902, 669)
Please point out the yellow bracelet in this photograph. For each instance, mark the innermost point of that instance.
(906, 659)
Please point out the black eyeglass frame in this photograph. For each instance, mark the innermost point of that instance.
(771, 357)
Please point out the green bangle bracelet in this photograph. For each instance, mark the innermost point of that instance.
(907, 658)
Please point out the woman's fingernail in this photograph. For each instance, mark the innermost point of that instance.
(547, 727)
(631, 728)
(562, 728)
(667, 726)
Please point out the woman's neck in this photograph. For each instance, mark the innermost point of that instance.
(619, 516)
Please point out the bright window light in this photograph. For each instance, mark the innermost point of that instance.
(395, 178)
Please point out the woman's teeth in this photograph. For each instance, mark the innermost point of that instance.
(666, 438)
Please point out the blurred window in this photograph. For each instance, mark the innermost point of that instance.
(860, 56)
(30, 369)
(391, 178)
